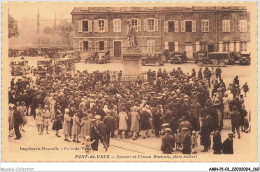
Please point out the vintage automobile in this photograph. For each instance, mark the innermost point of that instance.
(178, 58)
(213, 59)
(245, 58)
(43, 67)
(200, 55)
(19, 67)
(73, 55)
(98, 57)
(158, 59)
(67, 62)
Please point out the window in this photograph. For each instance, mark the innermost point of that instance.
(205, 25)
(171, 46)
(243, 25)
(101, 45)
(150, 46)
(170, 26)
(150, 24)
(85, 45)
(243, 46)
(226, 46)
(101, 25)
(188, 26)
(226, 25)
(117, 25)
(85, 25)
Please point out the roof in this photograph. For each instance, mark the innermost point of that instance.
(82, 10)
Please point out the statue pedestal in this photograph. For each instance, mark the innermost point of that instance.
(132, 66)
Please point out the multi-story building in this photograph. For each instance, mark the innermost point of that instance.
(182, 29)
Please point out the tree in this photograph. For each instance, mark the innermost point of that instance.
(12, 27)
(65, 29)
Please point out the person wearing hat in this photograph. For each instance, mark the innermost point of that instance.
(135, 118)
(109, 122)
(75, 127)
(22, 110)
(57, 125)
(205, 134)
(227, 146)
(17, 122)
(235, 121)
(122, 119)
(145, 122)
(168, 142)
(66, 125)
(194, 142)
(46, 117)
(217, 144)
(11, 120)
(39, 119)
(186, 141)
(85, 125)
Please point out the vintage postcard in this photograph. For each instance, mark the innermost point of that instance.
(129, 82)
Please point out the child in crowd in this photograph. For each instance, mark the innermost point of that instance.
(194, 142)
(178, 140)
(87, 145)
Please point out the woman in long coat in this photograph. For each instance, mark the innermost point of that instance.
(11, 120)
(145, 122)
(66, 125)
(57, 125)
(135, 122)
(205, 135)
(76, 127)
(46, 117)
(122, 117)
(85, 127)
(39, 119)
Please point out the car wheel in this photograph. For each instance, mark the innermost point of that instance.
(200, 64)
(222, 64)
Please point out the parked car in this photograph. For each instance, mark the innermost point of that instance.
(43, 67)
(73, 55)
(64, 61)
(19, 67)
(245, 58)
(178, 58)
(200, 55)
(98, 57)
(158, 59)
(214, 59)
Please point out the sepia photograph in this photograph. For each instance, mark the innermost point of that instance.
(129, 82)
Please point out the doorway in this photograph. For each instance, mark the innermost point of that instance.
(117, 49)
(189, 51)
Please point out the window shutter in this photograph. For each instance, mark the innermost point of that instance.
(89, 25)
(155, 24)
(114, 25)
(148, 47)
(228, 25)
(193, 26)
(145, 24)
(237, 46)
(138, 24)
(166, 26)
(197, 46)
(96, 46)
(90, 46)
(119, 25)
(223, 26)
(81, 46)
(105, 45)
(166, 45)
(231, 48)
(176, 26)
(182, 26)
(95, 25)
(220, 46)
(106, 25)
(245, 25)
(176, 47)
(79, 25)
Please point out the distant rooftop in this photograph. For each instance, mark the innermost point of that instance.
(79, 10)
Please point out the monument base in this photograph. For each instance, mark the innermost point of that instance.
(132, 66)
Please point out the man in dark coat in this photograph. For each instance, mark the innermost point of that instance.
(17, 122)
(168, 142)
(217, 144)
(205, 135)
(186, 141)
(235, 121)
(227, 146)
(109, 123)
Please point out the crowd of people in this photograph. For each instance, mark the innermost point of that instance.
(90, 108)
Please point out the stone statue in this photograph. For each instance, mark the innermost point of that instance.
(131, 36)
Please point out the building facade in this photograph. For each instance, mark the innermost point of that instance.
(101, 29)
